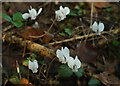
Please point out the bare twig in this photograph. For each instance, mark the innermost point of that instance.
(76, 38)
(52, 25)
(92, 6)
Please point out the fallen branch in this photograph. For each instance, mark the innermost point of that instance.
(34, 47)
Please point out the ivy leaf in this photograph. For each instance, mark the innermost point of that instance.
(17, 24)
(67, 30)
(6, 17)
(18, 17)
(65, 71)
(94, 82)
(79, 73)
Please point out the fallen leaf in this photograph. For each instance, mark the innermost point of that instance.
(31, 33)
(102, 4)
(47, 37)
(107, 79)
(86, 52)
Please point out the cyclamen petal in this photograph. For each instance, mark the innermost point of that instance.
(63, 54)
(74, 64)
(33, 66)
(26, 16)
(101, 27)
(39, 11)
(95, 27)
(66, 52)
(77, 62)
(61, 13)
(98, 28)
(32, 13)
(60, 56)
(70, 62)
(66, 10)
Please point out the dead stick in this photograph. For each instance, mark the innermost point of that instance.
(76, 38)
(34, 47)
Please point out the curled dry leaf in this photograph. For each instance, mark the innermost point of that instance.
(30, 33)
(35, 34)
(107, 79)
(86, 52)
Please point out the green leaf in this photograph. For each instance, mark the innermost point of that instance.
(94, 82)
(79, 73)
(42, 62)
(6, 17)
(72, 13)
(115, 43)
(65, 71)
(14, 79)
(67, 30)
(62, 34)
(25, 63)
(18, 17)
(84, 11)
(77, 7)
(17, 24)
(33, 55)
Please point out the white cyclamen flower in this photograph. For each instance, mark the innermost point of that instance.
(74, 64)
(32, 13)
(61, 13)
(98, 28)
(33, 66)
(63, 54)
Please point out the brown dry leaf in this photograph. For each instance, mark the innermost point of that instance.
(47, 37)
(107, 79)
(86, 52)
(31, 33)
(102, 4)
(25, 82)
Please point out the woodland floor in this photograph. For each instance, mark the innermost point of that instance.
(99, 54)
